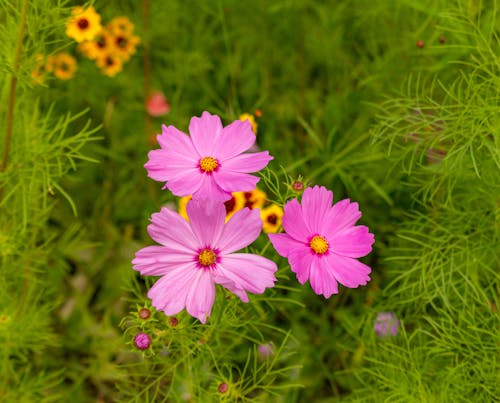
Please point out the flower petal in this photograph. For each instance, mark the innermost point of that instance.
(249, 272)
(235, 181)
(159, 260)
(185, 183)
(164, 165)
(322, 280)
(172, 139)
(204, 132)
(170, 229)
(209, 189)
(349, 272)
(293, 221)
(169, 293)
(342, 215)
(233, 287)
(201, 296)
(300, 263)
(284, 244)
(206, 218)
(352, 242)
(247, 162)
(316, 202)
(234, 139)
(240, 231)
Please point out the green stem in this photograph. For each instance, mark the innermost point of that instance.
(12, 94)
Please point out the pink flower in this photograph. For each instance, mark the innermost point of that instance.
(322, 243)
(157, 105)
(196, 255)
(208, 164)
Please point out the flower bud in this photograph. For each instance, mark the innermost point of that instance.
(142, 341)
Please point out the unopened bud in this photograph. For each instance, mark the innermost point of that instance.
(223, 387)
(144, 313)
(142, 341)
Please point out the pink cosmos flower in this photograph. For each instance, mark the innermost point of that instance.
(322, 243)
(157, 105)
(210, 162)
(196, 255)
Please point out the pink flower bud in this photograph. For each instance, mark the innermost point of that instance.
(158, 105)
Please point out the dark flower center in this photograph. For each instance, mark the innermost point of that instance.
(83, 23)
(272, 219)
(230, 204)
(109, 61)
(101, 43)
(121, 42)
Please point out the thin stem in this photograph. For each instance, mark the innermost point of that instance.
(12, 94)
(147, 62)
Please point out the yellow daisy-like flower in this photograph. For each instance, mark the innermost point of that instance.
(271, 218)
(110, 64)
(62, 65)
(123, 44)
(84, 25)
(120, 25)
(236, 203)
(98, 48)
(183, 201)
(255, 199)
(40, 70)
(251, 119)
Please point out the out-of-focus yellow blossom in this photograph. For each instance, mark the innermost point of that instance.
(255, 199)
(98, 48)
(40, 70)
(123, 44)
(234, 204)
(251, 119)
(183, 201)
(120, 25)
(62, 65)
(84, 24)
(110, 64)
(271, 218)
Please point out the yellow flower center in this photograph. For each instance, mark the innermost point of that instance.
(207, 257)
(319, 245)
(208, 164)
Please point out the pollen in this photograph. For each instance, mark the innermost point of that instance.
(319, 245)
(207, 257)
(208, 164)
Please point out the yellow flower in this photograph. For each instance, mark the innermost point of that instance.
(183, 201)
(251, 119)
(98, 48)
(271, 218)
(120, 25)
(110, 64)
(236, 203)
(255, 199)
(63, 65)
(123, 44)
(38, 73)
(84, 25)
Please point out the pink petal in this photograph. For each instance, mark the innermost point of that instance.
(247, 162)
(169, 293)
(235, 181)
(284, 243)
(172, 139)
(201, 296)
(233, 287)
(209, 189)
(186, 183)
(352, 242)
(249, 272)
(343, 214)
(163, 165)
(321, 277)
(170, 229)
(157, 105)
(159, 260)
(293, 221)
(300, 263)
(234, 139)
(204, 132)
(316, 202)
(206, 218)
(241, 230)
(349, 272)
